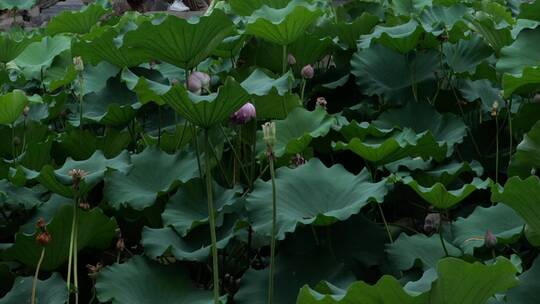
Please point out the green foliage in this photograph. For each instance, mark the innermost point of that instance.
(405, 161)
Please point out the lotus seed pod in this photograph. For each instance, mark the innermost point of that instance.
(26, 111)
(308, 72)
(78, 63)
(269, 133)
(43, 238)
(298, 160)
(246, 113)
(490, 240)
(291, 60)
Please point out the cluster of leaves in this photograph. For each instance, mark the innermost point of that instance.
(430, 111)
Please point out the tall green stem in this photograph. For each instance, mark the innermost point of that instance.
(34, 284)
(211, 219)
(235, 153)
(75, 254)
(510, 126)
(496, 148)
(70, 256)
(283, 70)
(442, 240)
(273, 241)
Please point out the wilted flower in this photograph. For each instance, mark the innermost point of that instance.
(290, 59)
(321, 102)
(198, 81)
(432, 222)
(308, 72)
(94, 270)
(77, 175)
(43, 238)
(297, 160)
(40, 224)
(246, 113)
(26, 111)
(78, 63)
(490, 240)
(494, 108)
(269, 133)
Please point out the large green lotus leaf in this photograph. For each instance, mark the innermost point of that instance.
(39, 55)
(140, 281)
(400, 144)
(409, 163)
(11, 45)
(343, 195)
(526, 83)
(45, 210)
(78, 22)
(105, 44)
(207, 110)
(50, 291)
(500, 219)
(448, 129)
(308, 49)
(402, 38)
(274, 106)
(530, 11)
(363, 130)
(230, 46)
(418, 250)
(437, 19)
(153, 173)
(147, 90)
(466, 283)
(80, 145)
(481, 89)
(259, 83)
(171, 139)
(282, 26)
(59, 180)
(295, 263)
(409, 7)
(295, 133)
(521, 195)
(187, 208)
(184, 43)
(382, 71)
(526, 291)
(17, 4)
(95, 230)
(387, 290)
(440, 197)
(195, 246)
(12, 106)
(515, 57)
(247, 7)
(349, 32)
(466, 55)
(484, 25)
(13, 196)
(446, 174)
(527, 155)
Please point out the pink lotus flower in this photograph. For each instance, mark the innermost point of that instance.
(246, 113)
(290, 59)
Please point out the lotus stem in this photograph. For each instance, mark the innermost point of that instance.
(211, 219)
(273, 240)
(302, 91)
(75, 254)
(236, 156)
(385, 223)
(442, 241)
(283, 70)
(510, 127)
(34, 284)
(496, 148)
(71, 243)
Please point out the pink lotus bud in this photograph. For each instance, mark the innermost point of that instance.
(490, 240)
(291, 60)
(308, 72)
(194, 85)
(246, 113)
(197, 81)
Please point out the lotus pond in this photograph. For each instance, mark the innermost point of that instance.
(273, 151)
